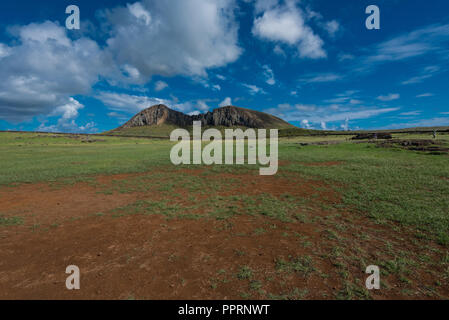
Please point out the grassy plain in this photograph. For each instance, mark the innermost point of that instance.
(308, 232)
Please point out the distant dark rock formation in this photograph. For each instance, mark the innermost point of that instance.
(226, 116)
(369, 136)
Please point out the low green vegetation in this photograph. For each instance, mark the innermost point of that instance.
(390, 185)
(342, 185)
(301, 265)
(244, 273)
(30, 157)
(10, 221)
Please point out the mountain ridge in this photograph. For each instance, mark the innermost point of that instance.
(228, 116)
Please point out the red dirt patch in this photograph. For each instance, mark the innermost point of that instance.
(152, 257)
(43, 204)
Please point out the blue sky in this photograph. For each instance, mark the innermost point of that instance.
(311, 62)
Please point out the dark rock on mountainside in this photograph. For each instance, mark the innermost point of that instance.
(226, 116)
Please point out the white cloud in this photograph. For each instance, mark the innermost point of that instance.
(389, 97)
(132, 104)
(432, 39)
(411, 113)
(69, 127)
(431, 42)
(202, 105)
(160, 85)
(279, 51)
(321, 77)
(206, 83)
(131, 73)
(128, 103)
(4, 50)
(344, 97)
(328, 113)
(426, 73)
(305, 123)
(66, 123)
(44, 68)
(417, 79)
(138, 11)
(332, 27)
(424, 95)
(226, 102)
(345, 57)
(305, 107)
(432, 122)
(286, 23)
(284, 106)
(174, 37)
(253, 89)
(68, 110)
(345, 125)
(117, 115)
(357, 114)
(269, 75)
(323, 125)
(263, 5)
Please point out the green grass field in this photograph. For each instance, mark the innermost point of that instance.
(397, 188)
(387, 184)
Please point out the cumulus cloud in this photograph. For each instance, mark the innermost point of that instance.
(345, 126)
(332, 27)
(305, 123)
(128, 103)
(286, 23)
(131, 104)
(67, 114)
(323, 125)
(4, 50)
(160, 85)
(279, 51)
(44, 68)
(226, 102)
(177, 37)
(202, 105)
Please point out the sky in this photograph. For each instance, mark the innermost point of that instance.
(314, 63)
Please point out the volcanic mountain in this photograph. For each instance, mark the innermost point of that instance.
(159, 120)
